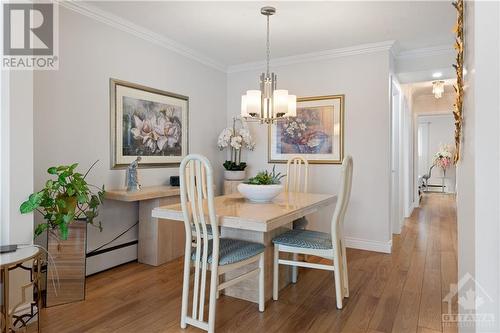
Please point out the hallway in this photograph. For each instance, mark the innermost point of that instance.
(401, 292)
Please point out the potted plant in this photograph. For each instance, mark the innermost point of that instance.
(443, 159)
(235, 139)
(264, 187)
(67, 203)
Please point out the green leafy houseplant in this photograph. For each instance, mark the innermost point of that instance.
(233, 166)
(66, 198)
(266, 178)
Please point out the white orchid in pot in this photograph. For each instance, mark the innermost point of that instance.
(235, 139)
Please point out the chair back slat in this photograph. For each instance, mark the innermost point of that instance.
(296, 181)
(197, 202)
(342, 198)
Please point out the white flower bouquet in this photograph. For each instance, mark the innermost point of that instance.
(235, 139)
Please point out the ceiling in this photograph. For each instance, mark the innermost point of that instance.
(233, 32)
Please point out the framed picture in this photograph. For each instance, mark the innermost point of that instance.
(317, 133)
(147, 122)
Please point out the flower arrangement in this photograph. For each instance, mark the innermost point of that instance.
(235, 139)
(443, 158)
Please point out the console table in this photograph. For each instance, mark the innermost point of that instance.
(158, 242)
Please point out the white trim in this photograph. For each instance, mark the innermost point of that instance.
(368, 245)
(138, 31)
(426, 52)
(315, 56)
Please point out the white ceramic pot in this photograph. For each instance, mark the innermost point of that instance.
(234, 175)
(260, 193)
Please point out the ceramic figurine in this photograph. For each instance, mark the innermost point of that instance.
(132, 177)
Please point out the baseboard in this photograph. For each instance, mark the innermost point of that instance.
(107, 260)
(368, 245)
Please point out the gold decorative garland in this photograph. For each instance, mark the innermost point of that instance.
(459, 68)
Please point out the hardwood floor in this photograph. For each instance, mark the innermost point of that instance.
(401, 292)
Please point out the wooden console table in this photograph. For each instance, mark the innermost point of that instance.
(158, 242)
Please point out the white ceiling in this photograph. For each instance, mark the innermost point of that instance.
(234, 32)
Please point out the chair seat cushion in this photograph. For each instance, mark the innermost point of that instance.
(232, 251)
(209, 229)
(307, 239)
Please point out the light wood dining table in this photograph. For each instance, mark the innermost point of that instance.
(256, 222)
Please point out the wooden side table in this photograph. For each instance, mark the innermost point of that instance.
(231, 186)
(158, 242)
(9, 321)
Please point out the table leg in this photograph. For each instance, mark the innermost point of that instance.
(6, 320)
(248, 289)
(160, 241)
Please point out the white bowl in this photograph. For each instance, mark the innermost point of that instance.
(234, 175)
(260, 193)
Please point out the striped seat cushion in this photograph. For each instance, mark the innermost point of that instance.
(307, 239)
(232, 250)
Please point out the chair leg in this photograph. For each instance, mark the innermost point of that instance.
(221, 278)
(262, 299)
(295, 269)
(337, 273)
(214, 283)
(345, 278)
(276, 272)
(185, 291)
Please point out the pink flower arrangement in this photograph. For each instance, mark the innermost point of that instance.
(443, 158)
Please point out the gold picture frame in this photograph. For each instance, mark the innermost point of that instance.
(133, 104)
(318, 134)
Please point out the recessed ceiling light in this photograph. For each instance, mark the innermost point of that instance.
(437, 75)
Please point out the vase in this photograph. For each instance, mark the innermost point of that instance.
(66, 269)
(234, 175)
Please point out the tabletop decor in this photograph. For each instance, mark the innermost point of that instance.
(235, 139)
(147, 122)
(459, 68)
(317, 132)
(444, 159)
(263, 187)
(68, 203)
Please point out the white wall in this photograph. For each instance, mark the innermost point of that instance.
(364, 79)
(478, 177)
(72, 112)
(440, 131)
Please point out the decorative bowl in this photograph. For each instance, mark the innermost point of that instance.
(260, 193)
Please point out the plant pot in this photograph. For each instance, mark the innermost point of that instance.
(234, 175)
(260, 193)
(67, 284)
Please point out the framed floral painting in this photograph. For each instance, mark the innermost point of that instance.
(147, 122)
(317, 133)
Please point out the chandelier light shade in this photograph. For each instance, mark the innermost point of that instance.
(268, 104)
(438, 89)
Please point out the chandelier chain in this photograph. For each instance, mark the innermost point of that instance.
(268, 46)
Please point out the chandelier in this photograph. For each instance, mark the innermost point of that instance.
(438, 89)
(268, 104)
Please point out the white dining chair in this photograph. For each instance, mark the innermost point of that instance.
(214, 254)
(326, 245)
(297, 177)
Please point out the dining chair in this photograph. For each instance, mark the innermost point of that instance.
(214, 254)
(297, 176)
(326, 245)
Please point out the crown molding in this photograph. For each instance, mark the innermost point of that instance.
(315, 56)
(139, 31)
(426, 52)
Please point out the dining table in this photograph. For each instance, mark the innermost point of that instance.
(242, 219)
